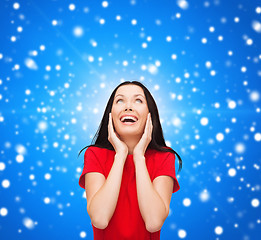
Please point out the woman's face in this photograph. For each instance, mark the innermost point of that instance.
(129, 100)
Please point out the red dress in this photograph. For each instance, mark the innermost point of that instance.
(127, 222)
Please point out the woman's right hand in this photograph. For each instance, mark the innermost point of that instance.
(119, 146)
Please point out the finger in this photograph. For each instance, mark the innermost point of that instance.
(147, 124)
(109, 123)
(151, 125)
(151, 121)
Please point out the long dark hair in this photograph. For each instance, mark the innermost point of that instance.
(157, 142)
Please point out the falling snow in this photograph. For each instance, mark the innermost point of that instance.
(60, 62)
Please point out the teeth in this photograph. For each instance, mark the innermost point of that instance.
(128, 117)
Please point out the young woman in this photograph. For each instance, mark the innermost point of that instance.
(129, 172)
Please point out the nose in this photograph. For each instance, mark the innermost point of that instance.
(128, 106)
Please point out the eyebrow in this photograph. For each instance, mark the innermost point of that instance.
(134, 95)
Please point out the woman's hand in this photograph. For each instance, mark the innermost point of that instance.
(142, 145)
(119, 146)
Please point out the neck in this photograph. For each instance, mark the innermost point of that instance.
(131, 142)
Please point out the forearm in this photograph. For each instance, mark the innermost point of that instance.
(151, 205)
(104, 202)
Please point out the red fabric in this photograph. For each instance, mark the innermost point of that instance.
(127, 222)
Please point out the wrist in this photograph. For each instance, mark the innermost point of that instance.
(138, 158)
(121, 154)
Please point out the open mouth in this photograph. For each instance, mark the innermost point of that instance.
(128, 123)
(128, 120)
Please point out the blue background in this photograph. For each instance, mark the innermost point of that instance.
(55, 82)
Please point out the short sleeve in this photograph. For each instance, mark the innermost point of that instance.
(167, 167)
(91, 164)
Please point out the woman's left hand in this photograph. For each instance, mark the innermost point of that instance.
(142, 145)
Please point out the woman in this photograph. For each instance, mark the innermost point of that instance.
(129, 172)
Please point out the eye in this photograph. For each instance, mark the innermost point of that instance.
(136, 99)
(118, 100)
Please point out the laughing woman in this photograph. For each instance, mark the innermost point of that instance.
(129, 172)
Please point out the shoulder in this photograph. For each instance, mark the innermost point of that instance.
(99, 152)
(156, 152)
(96, 149)
(92, 150)
(160, 156)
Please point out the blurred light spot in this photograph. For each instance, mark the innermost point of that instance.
(182, 233)
(42, 125)
(204, 121)
(47, 200)
(218, 179)
(257, 137)
(254, 96)
(232, 172)
(102, 21)
(48, 68)
(236, 19)
(240, 148)
(28, 223)
(27, 91)
(208, 64)
(78, 31)
(243, 69)
(168, 38)
(105, 4)
(204, 40)
(19, 29)
(16, 6)
(204, 196)
(71, 7)
(133, 21)
(54, 22)
(183, 4)
(2, 166)
(220, 137)
(90, 58)
(31, 177)
(58, 67)
(19, 158)
(218, 230)
(255, 202)
(186, 202)
(211, 29)
(249, 41)
(220, 38)
(144, 45)
(20, 149)
(31, 64)
(232, 104)
(3, 212)
(174, 56)
(256, 26)
(42, 47)
(152, 69)
(5, 183)
(47, 176)
(82, 234)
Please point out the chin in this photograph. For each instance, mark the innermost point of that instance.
(130, 132)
